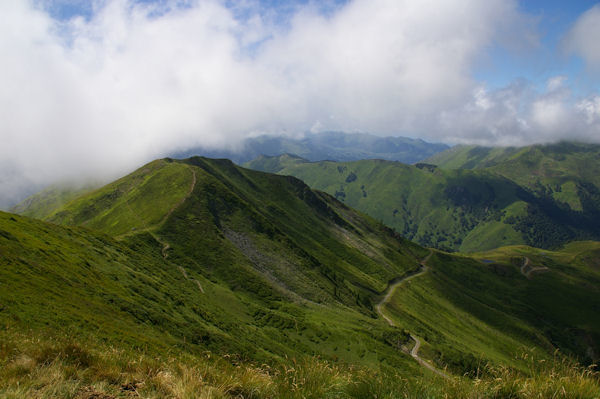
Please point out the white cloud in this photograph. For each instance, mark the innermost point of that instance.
(583, 38)
(138, 80)
(556, 83)
(519, 114)
(590, 108)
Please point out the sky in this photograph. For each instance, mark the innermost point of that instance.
(98, 87)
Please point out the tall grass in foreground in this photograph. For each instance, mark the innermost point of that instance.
(63, 368)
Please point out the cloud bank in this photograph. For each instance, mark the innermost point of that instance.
(134, 81)
(583, 38)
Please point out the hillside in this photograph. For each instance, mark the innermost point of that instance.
(184, 257)
(465, 306)
(269, 240)
(44, 203)
(457, 210)
(335, 146)
(568, 173)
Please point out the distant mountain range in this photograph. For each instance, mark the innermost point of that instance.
(476, 199)
(334, 146)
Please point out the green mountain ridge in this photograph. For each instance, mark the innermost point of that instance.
(535, 195)
(556, 170)
(310, 256)
(201, 255)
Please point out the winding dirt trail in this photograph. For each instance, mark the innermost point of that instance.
(191, 279)
(527, 270)
(390, 291)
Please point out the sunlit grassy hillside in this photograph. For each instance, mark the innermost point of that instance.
(197, 277)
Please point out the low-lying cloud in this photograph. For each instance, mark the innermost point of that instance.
(134, 81)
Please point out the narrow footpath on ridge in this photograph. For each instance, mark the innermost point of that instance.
(380, 306)
(165, 245)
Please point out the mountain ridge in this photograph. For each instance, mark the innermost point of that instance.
(468, 209)
(201, 255)
(338, 146)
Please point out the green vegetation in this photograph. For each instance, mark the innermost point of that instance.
(47, 201)
(198, 278)
(474, 309)
(566, 173)
(539, 196)
(56, 366)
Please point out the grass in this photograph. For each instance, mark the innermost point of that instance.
(54, 366)
(289, 279)
(565, 173)
(479, 199)
(292, 289)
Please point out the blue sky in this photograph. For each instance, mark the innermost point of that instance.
(553, 18)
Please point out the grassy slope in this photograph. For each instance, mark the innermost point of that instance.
(430, 206)
(474, 308)
(556, 170)
(41, 205)
(266, 245)
(297, 270)
(466, 210)
(120, 333)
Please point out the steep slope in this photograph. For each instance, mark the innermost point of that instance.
(449, 209)
(277, 224)
(127, 292)
(568, 173)
(471, 156)
(262, 268)
(463, 307)
(267, 238)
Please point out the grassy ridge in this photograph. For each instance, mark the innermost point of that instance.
(428, 205)
(252, 268)
(291, 266)
(566, 172)
(459, 209)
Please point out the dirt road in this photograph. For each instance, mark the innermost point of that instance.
(389, 292)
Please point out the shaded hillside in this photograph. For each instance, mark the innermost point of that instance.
(267, 245)
(568, 173)
(461, 210)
